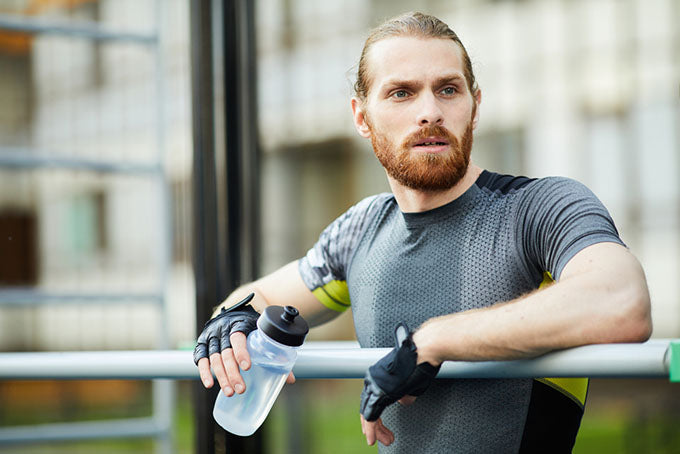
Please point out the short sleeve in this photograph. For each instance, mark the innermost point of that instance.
(557, 218)
(324, 268)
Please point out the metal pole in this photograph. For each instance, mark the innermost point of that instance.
(163, 391)
(22, 297)
(240, 229)
(652, 359)
(205, 203)
(86, 30)
(28, 158)
(82, 430)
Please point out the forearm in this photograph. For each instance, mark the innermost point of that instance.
(583, 308)
(283, 287)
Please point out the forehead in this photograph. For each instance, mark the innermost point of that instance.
(412, 58)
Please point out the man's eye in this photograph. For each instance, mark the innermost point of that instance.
(449, 91)
(400, 94)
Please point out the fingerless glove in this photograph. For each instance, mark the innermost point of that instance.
(395, 376)
(215, 336)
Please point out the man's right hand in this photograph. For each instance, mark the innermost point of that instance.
(283, 287)
(222, 345)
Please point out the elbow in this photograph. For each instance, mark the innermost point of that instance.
(637, 326)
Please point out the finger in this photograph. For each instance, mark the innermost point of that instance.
(238, 343)
(233, 372)
(407, 400)
(221, 374)
(204, 372)
(383, 434)
(213, 345)
(369, 431)
(291, 378)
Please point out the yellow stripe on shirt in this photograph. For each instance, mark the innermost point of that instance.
(334, 295)
(574, 388)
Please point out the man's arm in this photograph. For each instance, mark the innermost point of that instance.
(601, 297)
(283, 287)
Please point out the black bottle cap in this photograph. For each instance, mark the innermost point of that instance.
(284, 325)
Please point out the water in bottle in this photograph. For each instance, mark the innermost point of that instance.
(273, 350)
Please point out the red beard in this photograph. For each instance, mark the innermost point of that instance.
(425, 172)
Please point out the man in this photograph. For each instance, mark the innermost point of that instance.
(458, 253)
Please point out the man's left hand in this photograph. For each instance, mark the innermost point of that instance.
(397, 376)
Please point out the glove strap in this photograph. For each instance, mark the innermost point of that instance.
(238, 306)
(244, 302)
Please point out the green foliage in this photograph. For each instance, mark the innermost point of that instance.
(315, 416)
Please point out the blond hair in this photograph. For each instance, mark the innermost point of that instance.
(410, 24)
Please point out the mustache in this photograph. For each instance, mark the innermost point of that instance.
(430, 131)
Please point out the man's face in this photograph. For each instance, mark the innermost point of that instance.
(419, 112)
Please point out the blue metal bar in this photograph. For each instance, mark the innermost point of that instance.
(86, 430)
(26, 158)
(81, 29)
(647, 360)
(30, 297)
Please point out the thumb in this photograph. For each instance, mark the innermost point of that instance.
(407, 400)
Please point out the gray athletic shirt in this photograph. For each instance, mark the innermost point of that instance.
(494, 243)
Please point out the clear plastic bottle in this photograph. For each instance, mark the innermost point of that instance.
(273, 351)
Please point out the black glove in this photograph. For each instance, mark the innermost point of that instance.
(395, 376)
(215, 336)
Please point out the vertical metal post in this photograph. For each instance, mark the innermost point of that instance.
(205, 203)
(226, 201)
(163, 390)
(241, 231)
(242, 148)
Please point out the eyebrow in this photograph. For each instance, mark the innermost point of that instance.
(414, 84)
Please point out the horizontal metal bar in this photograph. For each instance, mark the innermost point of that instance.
(648, 360)
(27, 158)
(80, 29)
(29, 297)
(85, 430)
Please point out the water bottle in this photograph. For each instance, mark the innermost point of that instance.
(273, 350)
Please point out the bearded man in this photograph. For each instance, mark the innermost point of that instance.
(484, 266)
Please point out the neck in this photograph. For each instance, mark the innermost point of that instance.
(416, 201)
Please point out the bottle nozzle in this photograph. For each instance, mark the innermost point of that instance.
(289, 314)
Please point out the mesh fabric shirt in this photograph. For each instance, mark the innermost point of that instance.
(497, 241)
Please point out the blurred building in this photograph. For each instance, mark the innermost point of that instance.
(95, 147)
(585, 89)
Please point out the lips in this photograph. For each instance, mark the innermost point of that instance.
(431, 142)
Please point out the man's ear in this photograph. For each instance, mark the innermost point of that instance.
(359, 115)
(477, 98)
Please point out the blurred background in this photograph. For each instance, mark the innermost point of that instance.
(97, 149)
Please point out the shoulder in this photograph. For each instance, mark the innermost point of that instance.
(504, 184)
(500, 183)
(555, 189)
(373, 202)
(552, 186)
(353, 222)
(368, 207)
(560, 184)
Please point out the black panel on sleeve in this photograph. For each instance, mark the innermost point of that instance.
(502, 183)
(552, 421)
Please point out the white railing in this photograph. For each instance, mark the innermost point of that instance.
(651, 359)
(654, 359)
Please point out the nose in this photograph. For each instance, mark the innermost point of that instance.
(430, 112)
